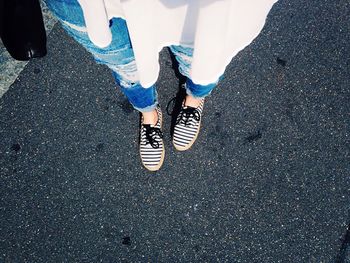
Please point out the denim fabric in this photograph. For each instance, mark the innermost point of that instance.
(119, 56)
(199, 91)
(67, 11)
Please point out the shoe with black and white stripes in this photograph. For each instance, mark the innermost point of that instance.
(187, 126)
(151, 144)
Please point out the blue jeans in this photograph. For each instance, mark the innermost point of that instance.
(119, 56)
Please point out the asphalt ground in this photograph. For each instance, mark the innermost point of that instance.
(267, 180)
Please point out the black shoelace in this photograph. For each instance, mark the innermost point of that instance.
(187, 114)
(151, 135)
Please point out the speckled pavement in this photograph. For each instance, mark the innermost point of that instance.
(267, 180)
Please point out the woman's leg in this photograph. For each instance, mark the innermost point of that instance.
(119, 57)
(195, 92)
(188, 121)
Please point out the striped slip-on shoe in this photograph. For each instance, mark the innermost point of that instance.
(151, 144)
(187, 126)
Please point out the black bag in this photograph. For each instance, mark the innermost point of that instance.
(22, 28)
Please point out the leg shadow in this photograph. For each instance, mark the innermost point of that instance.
(174, 105)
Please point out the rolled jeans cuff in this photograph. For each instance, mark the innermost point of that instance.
(142, 99)
(199, 91)
(146, 109)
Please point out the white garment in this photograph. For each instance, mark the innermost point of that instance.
(216, 29)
